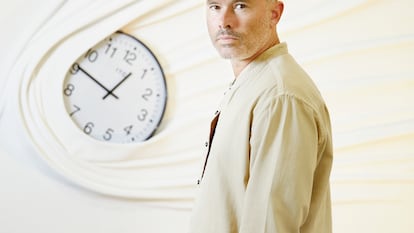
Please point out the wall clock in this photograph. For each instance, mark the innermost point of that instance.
(116, 91)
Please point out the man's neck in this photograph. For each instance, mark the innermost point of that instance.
(239, 65)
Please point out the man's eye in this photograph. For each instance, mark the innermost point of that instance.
(213, 7)
(240, 6)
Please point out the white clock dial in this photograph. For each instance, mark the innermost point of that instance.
(116, 91)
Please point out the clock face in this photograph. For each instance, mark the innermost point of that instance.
(116, 91)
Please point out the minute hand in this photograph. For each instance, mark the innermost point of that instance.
(96, 81)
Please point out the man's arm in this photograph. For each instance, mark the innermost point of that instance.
(283, 157)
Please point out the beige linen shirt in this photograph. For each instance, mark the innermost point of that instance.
(271, 155)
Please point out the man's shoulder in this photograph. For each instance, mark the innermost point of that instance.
(283, 76)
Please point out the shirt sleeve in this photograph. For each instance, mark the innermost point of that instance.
(283, 157)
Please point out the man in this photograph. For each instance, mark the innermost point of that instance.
(270, 152)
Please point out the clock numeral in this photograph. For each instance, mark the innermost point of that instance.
(130, 57)
(108, 49)
(128, 129)
(144, 73)
(108, 134)
(148, 93)
(88, 128)
(75, 68)
(143, 115)
(68, 91)
(92, 55)
(77, 109)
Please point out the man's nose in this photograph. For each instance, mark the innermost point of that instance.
(227, 18)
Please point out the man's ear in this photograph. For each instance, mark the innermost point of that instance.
(277, 10)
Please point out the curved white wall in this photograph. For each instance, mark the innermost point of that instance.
(359, 53)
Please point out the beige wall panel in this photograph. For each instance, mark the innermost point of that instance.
(359, 52)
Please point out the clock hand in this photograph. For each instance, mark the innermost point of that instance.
(117, 85)
(96, 81)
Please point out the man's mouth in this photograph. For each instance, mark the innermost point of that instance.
(227, 36)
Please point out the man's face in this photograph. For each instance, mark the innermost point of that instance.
(240, 29)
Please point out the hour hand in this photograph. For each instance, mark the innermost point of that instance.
(97, 82)
(116, 86)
